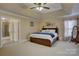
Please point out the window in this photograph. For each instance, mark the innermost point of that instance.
(69, 24)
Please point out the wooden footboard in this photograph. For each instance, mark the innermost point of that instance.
(45, 42)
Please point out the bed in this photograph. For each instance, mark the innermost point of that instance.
(47, 36)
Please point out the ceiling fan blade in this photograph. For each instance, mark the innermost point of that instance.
(46, 7)
(44, 3)
(32, 7)
(35, 3)
(39, 3)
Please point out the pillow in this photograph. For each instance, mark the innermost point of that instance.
(51, 31)
(46, 31)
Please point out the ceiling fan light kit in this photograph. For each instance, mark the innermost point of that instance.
(40, 6)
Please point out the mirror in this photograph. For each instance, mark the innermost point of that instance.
(74, 32)
(5, 29)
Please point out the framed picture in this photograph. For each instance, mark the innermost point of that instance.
(49, 24)
(31, 23)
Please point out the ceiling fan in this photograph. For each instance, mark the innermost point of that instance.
(40, 6)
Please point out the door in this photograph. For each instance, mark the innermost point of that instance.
(5, 35)
(9, 31)
(14, 30)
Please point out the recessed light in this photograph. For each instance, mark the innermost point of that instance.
(3, 18)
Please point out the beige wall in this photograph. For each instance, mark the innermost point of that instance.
(39, 23)
(24, 25)
(0, 34)
(55, 19)
(27, 29)
(56, 23)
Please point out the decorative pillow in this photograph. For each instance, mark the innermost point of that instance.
(51, 31)
(46, 31)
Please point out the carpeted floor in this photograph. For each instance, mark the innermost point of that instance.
(60, 48)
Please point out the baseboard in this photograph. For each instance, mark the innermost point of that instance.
(23, 40)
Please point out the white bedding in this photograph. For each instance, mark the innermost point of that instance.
(44, 36)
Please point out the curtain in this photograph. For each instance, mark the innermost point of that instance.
(69, 24)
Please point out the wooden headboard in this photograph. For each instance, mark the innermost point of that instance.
(56, 29)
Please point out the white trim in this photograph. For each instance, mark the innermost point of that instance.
(70, 15)
(0, 46)
(16, 14)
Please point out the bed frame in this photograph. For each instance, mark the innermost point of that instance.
(45, 42)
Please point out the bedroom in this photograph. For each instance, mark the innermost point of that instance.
(23, 20)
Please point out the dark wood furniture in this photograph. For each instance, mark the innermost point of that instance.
(76, 39)
(45, 42)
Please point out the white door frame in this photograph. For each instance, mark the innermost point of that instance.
(13, 25)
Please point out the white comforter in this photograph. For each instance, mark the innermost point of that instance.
(44, 36)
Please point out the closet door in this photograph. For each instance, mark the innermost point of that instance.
(16, 30)
(11, 30)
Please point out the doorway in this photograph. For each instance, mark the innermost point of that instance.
(9, 31)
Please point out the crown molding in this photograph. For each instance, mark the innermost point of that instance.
(16, 14)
